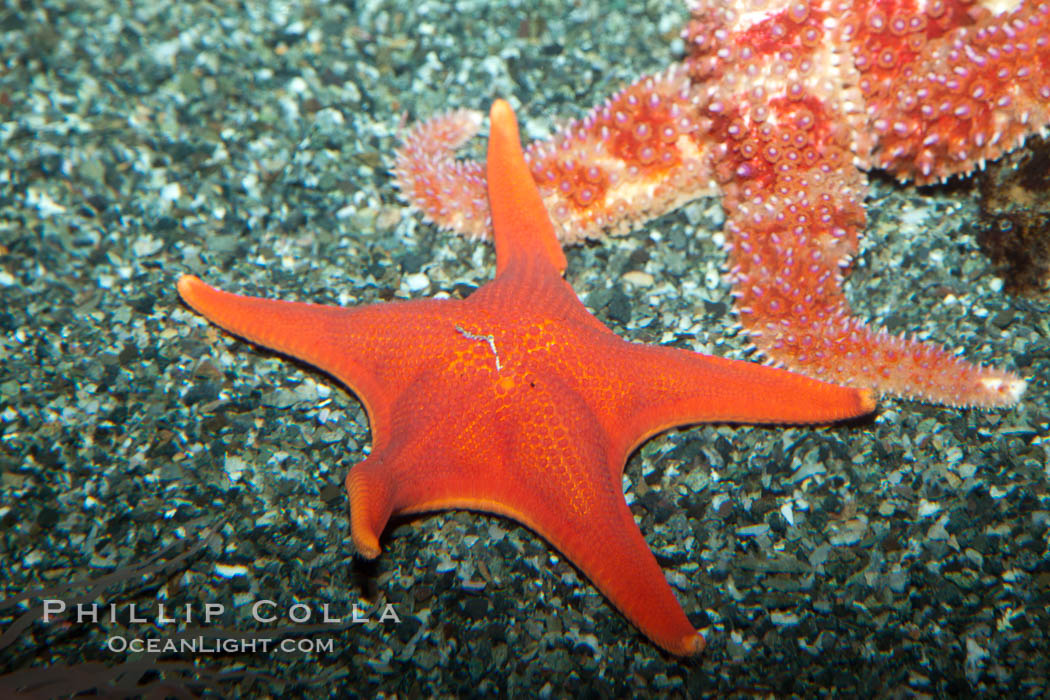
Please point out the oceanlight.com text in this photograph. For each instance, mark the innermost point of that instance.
(203, 645)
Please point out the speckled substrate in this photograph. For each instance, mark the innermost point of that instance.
(903, 556)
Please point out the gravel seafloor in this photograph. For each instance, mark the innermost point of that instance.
(249, 142)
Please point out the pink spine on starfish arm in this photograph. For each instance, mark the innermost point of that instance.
(787, 108)
(449, 192)
(633, 157)
(953, 85)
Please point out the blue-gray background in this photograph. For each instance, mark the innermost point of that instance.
(249, 143)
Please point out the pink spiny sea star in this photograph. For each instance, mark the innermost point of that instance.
(779, 106)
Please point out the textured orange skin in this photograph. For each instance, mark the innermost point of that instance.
(517, 401)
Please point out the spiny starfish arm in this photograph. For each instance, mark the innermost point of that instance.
(797, 91)
(943, 104)
(793, 218)
(364, 348)
(839, 348)
(636, 156)
(677, 387)
(522, 229)
(544, 465)
(449, 192)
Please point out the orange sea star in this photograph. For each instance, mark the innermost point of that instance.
(517, 401)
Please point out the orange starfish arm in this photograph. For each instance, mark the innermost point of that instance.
(670, 387)
(519, 219)
(364, 348)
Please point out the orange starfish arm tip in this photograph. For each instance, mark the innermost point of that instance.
(194, 292)
(867, 401)
(233, 312)
(519, 217)
(692, 645)
(369, 490)
(186, 283)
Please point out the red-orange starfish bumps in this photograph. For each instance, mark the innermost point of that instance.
(516, 401)
(776, 106)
